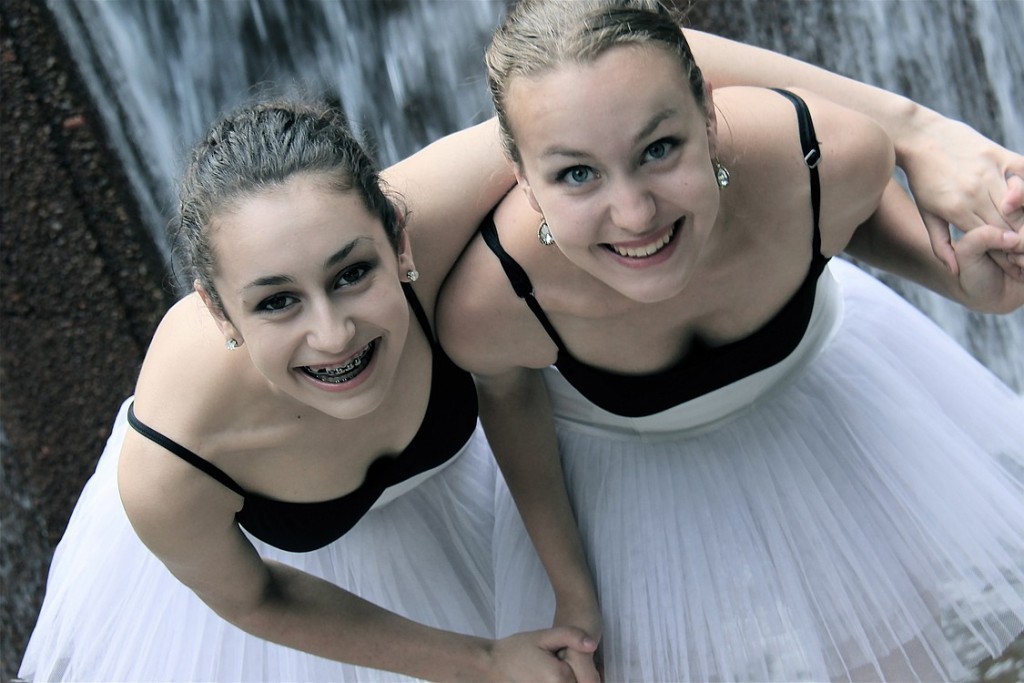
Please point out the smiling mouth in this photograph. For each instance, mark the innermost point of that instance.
(339, 374)
(646, 250)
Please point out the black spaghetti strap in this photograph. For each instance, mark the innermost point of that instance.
(518, 278)
(182, 452)
(417, 309)
(812, 156)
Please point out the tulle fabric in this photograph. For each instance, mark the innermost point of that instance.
(113, 612)
(859, 516)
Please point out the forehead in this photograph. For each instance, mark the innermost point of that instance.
(615, 93)
(284, 226)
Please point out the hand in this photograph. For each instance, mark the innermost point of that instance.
(991, 276)
(534, 656)
(585, 615)
(960, 177)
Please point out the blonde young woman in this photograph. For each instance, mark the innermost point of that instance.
(779, 469)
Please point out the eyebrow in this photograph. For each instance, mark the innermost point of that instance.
(332, 260)
(651, 126)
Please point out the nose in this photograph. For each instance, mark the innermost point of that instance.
(632, 206)
(330, 329)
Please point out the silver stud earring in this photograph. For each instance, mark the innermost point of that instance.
(721, 174)
(413, 275)
(544, 234)
(232, 344)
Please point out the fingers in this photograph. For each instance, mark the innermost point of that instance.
(582, 665)
(1004, 247)
(942, 244)
(987, 238)
(1012, 204)
(570, 637)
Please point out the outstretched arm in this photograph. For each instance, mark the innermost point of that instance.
(986, 279)
(448, 187)
(957, 175)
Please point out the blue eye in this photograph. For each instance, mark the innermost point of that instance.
(353, 274)
(277, 302)
(660, 149)
(577, 175)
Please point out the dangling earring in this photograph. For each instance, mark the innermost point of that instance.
(721, 173)
(413, 275)
(232, 344)
(544, 234)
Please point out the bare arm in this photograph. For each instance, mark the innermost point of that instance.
(957, 175)
(480, 324)
(448, 188)
(893, 239)
(187, 521)
(516, 415)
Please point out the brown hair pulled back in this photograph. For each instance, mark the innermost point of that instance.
(261, 146)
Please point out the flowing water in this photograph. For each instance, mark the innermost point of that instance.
(408, 71)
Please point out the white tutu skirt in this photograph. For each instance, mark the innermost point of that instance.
(113, 612)
(857, 514)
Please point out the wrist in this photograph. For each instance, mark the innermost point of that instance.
(906, 123)
(581, 611)
(475, 661)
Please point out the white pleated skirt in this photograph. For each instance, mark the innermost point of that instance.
(113, 612)
(856, 513)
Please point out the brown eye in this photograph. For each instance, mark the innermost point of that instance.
(277, 302)
(353, 274)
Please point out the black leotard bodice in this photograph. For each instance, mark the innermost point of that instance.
(704, 368)
(302, 527)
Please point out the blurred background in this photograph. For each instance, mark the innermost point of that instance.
(101, 100)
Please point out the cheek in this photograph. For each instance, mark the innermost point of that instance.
(573, 220)
(272, 351)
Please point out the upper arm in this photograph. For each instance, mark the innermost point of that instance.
(449, 188)
(186, 519)
(480, 320)
(184, 516)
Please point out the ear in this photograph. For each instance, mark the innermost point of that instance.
(405, 260)
(227, 328)
(712, 119)
(524, 185)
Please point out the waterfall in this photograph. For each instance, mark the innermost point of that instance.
(408, 71)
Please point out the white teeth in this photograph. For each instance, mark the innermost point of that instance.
(646, 250)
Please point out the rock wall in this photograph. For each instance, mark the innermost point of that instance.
(81, 291)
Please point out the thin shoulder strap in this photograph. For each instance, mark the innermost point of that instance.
(812, 157)
(417, 309)
(182, 452)
(518, 278)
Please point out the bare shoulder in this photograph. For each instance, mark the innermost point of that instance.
(188, 357)
(175, 507)
(759, 129)
(483, 325)
(190, 387)
(759, 121)
(857, 162)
